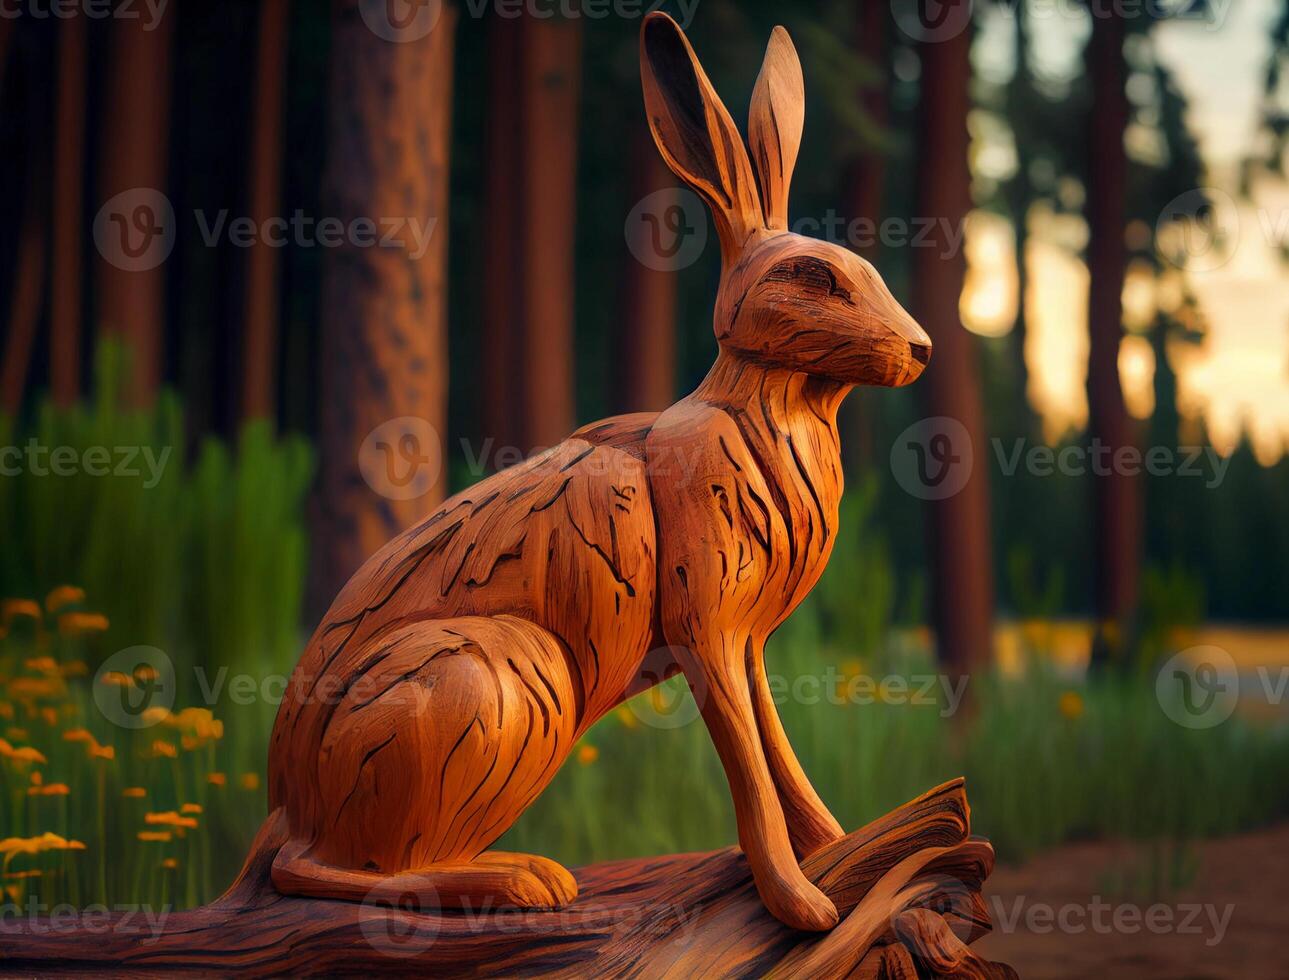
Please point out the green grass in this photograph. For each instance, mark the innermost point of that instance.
(209, 565)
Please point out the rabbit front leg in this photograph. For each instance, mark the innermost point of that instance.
(810, 823)
(714, 666)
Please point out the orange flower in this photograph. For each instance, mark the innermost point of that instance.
(586, 754)
(11, 847)
(114, 678)
(1071, 705)
(145, 673)
(63, 595)
(53, 789)
(157, 836)
(22, 754)
(167, 749)
(134, 792)
(41, 665)
(190, 808)
(6, 710)
(80, 623)
(92, 746)
(250, 780)
(11, 609)
(37, 777)
(217, 779)
(170, 864)
(627, 717)
(171, 819)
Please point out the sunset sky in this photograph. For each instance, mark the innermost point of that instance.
(1240, 379)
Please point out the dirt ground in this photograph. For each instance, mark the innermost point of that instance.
(1070, 914)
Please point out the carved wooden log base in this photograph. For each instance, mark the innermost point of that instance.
(907, 887)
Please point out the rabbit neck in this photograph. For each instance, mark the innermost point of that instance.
(772, 394)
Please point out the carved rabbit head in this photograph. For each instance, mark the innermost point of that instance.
(785, 300)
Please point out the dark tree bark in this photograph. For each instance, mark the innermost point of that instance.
(961, 560)
(645, 363)
(26, 290)
(500, 355)
(865, 191)
(260, 317)
(65, 312)
(384, 309)
(1117, 495)
(550, 60)
(131, 303)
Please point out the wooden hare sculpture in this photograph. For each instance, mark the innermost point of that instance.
(458, 667)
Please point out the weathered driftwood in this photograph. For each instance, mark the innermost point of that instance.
(907, 887)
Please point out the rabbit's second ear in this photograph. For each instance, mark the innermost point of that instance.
(775, 123)
(694, 131)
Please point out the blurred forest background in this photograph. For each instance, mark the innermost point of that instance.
(1084, 206)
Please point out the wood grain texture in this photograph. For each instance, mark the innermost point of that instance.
(457, 669)
(908, 885)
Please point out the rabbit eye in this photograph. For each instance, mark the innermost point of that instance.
(808, 274)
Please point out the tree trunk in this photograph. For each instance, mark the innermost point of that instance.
(960, 560)
(68, 242)
(384, 309)
(1117, 495)
(27, 286)
(550, 69)
(865, 191)
(908, 888)
(645, 361)
(501, 364)
(25, 296)
(260, 317)
(131, 301)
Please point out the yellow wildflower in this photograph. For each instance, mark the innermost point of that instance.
(11, 609)
(53, 789)
(171, 819)
(157, 836)
(21, 754)
(1071, 705)
(190, 808)
(80, 623)
(162, 748)
(627, 717)
(63, 595)
(11, 847)
(134, 792)
(216, 779)
(587, 754)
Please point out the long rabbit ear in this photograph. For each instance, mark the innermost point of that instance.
(695, 133)
(774, 125)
